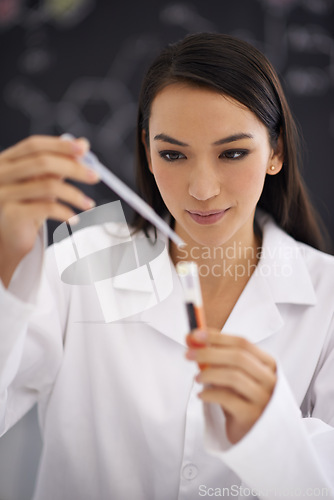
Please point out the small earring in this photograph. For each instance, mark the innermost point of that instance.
(272, 167)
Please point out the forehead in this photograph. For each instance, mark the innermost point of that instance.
(182, 105)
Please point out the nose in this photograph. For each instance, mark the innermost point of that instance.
(203, 183)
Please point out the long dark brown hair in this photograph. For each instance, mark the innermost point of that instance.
(234, 68)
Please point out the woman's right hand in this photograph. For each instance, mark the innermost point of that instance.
(33, 188)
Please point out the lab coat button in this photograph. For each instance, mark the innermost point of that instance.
(189, 471)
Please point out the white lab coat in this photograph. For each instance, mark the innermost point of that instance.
(118, 409)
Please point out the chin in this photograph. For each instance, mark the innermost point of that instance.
(208, 238)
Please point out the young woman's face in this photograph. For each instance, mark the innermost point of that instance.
(209, 155)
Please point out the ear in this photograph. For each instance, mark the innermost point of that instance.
(147, 150)
(277, 158)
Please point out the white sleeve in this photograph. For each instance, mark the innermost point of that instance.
(284, 455)
(29, 351)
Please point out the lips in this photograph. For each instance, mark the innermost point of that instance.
(206, 213)
(207, 217)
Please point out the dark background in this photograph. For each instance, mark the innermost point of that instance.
(76, 65)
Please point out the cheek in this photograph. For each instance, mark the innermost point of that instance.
(248, 182)
(168, 183)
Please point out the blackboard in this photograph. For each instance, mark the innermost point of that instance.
(76, 66)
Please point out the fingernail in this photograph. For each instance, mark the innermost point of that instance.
(80, 146)
(88, 202)
(74, 220)
(92, 175)
(191, 354)
(200, 335)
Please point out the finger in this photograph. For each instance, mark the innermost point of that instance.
(222, 339)
(45, 144)
(56, 211)
(47, 164)
(237, 381)
(46, 189)
(230, 402)
(234, 358)
(40, 211)
(197, 338)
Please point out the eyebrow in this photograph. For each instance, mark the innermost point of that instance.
(225, 140)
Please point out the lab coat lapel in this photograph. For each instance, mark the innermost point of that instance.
(153, 291)
(169, 316)
(281, 277)
(255, 315)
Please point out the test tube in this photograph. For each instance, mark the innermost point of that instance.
(189, 277)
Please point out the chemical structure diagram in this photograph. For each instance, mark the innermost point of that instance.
(111, 96)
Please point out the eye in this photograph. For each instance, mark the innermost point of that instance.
(171, 155)
(234, 154)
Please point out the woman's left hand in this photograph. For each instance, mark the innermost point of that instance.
(236, 374)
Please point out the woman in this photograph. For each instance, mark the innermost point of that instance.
(119, 406)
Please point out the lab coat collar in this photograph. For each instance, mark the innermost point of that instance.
(162, 294)
(283, 265)
(281, 277)
(169, 316)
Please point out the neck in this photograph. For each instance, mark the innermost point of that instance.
(223, 267)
